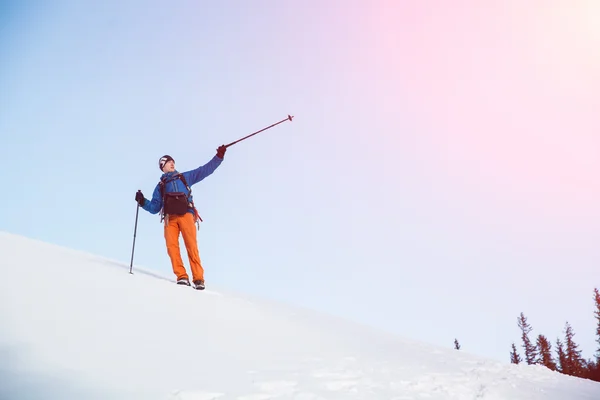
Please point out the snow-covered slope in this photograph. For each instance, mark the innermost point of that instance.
(77, 326)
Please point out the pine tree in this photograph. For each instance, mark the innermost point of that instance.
(589, 369)
(594, 370)
(572, 352)
(544, 349)
(594, 365)
(597, 315)
(456, 344)
(530, 350)
(515, 358)
(563, 365)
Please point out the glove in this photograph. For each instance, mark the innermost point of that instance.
(139, 197)
(221, 151)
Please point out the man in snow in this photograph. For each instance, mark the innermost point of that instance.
(172, 197)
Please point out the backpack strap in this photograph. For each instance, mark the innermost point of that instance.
(196, 214)
(161, 186)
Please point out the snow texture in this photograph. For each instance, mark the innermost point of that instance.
(78, 326)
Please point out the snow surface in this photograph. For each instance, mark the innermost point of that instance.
(78, 326)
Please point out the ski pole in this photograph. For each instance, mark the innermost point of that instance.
(137, 210)
(289, 118)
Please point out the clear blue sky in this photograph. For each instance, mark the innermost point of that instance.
(439, 176)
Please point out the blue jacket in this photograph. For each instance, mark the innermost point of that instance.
(191, 177)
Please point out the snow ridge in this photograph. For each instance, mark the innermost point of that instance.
(84, 328)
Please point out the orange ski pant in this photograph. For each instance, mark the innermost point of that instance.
(184, 224)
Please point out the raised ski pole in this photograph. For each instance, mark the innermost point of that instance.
(137, 211)
(289, 118)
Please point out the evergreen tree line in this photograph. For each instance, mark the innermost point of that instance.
(566, 358)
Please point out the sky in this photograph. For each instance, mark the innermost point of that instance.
(438, 178)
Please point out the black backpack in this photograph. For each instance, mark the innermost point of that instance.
(176, 203)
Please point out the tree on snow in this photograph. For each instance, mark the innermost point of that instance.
(563, 365)
(576, 364)
(589, 370)
(594, 365)
(544, 349)
(515, 358)
(530, 350)
(597, 316)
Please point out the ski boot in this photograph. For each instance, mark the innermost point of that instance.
(199, 284)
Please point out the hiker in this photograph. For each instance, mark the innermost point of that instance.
(172, 197)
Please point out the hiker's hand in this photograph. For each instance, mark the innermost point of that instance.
(139, 197)
(221, 151)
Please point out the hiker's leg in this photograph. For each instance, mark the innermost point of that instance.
(172, 240)
(188, 230)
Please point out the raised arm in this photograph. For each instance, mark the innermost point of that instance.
(196, 175)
